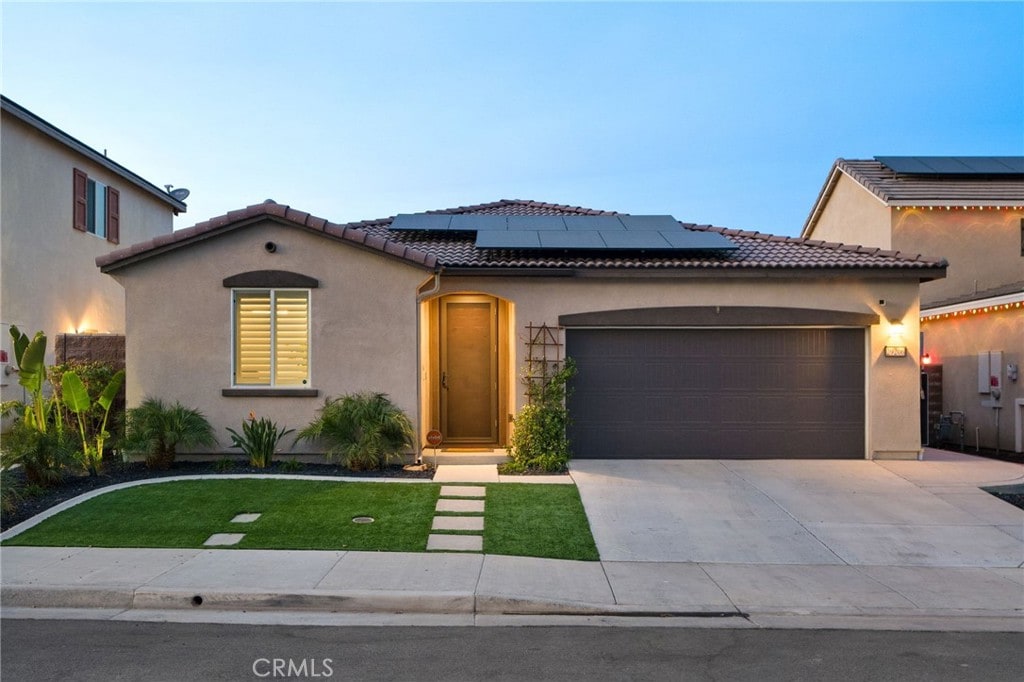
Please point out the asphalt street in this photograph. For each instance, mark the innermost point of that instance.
(44, 650)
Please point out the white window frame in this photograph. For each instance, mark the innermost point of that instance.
(96, 208)
(273, 291)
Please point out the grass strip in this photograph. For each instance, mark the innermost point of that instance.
(295, 515)
(537, 520)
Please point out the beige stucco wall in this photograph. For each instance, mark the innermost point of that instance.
(853, 215)
(363, 323)
(49, 280)
(892, 384)
(982, 245)
(955, 344)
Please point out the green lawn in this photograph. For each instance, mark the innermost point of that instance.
(520, 519)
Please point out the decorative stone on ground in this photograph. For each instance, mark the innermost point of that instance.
(463, 491)
(458, 523)
(224, 539)
(245, 518)
(457, 543)
(470, 506)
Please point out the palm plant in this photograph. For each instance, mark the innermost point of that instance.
(361, 430)
(158, 430)
(44, 455)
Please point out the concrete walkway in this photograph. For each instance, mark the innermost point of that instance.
(983, 590)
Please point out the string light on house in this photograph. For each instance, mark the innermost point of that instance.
(960, 208)
(980, 310)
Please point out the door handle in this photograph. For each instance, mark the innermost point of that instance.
(444, 379)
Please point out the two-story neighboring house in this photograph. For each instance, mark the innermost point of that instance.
(62, 204)
(969, 210)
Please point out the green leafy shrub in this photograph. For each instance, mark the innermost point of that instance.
(43, 454)
(539, 442)
(361, 430)
(223, 465)
(258, 440)
(79, 402)
(11, 492)
(292, 466)
(158, 430)
(95, 376)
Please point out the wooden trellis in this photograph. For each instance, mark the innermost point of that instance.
(543, 356)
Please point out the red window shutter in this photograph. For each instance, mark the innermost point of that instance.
(113, 216)
(79, 207)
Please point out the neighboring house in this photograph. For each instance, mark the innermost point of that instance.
(62, 204)
(971, 211)
(690, 341)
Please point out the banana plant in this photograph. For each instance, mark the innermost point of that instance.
(30, 356)
(77, 400)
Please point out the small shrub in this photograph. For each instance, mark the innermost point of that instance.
(43, 454)
(361, 430)
(158, 430)
(539, 442)
(11, 492)
(258, 440)
(223, 465)
(292, 466)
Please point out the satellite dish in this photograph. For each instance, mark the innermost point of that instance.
(180, 194)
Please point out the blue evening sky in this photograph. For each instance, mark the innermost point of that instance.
(723, 113)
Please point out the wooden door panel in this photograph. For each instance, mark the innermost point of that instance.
(468, 366)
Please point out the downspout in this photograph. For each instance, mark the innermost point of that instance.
(420, 297)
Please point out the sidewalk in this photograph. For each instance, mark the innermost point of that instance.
(323, 586)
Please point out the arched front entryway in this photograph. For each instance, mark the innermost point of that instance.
(465, 378)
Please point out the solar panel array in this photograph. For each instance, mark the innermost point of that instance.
(954, 165)
(571, 232)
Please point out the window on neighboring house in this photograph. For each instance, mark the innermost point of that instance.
(97, 208)
(271, 337)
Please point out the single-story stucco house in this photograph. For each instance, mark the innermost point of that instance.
(690, 341)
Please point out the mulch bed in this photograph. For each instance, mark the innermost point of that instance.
(75, 485)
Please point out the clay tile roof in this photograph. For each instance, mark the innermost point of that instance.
(457, 250)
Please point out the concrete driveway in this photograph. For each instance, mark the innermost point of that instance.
(858, 513)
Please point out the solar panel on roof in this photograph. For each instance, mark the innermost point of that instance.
(593, 222)
(471, 222)
(644, 223)
(421, 221)
(954, 165)
(697, 241)
(635, 240)
(536, 222)
(507, 239)
(572, 239)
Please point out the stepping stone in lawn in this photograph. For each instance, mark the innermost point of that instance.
(463, 491)
(458, 523)
(245, 518)
(224, 539)
(457, 543)
(470, 506)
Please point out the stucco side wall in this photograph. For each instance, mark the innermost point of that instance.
(983, 247)
(179, 338)
(892, 384)
(49, 279)
(853, 215)
(955, 344)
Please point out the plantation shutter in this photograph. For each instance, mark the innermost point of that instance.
(252, 338)
(80, 207)
(113, 216)
(291, 338)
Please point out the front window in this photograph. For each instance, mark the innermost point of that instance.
(271, 337)
(96, 208)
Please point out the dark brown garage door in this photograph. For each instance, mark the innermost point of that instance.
(717, 393)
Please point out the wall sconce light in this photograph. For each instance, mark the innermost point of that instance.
(895, 346)
(926, 359)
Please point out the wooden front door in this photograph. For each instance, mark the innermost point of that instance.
(469, 369)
